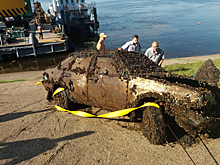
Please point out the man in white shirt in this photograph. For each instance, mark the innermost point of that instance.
(133, 45)
(155, 54)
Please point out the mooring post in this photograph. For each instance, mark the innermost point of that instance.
(1, 40)
(31, 41)
(2, 69)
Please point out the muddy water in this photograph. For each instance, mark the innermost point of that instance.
(30, 64)
(39, 63)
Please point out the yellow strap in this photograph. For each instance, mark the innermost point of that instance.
(110, 114)
(58, 90)
(78, 113)
(107, 115)
(126, 111)
(39, 83)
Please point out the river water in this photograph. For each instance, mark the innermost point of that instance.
(173, 23)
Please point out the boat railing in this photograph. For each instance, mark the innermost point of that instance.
(85, 5)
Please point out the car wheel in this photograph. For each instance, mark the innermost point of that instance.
(61, 99)
(153, 125)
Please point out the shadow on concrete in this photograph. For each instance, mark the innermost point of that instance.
(77, 106)
(12, 116)
(23, 150)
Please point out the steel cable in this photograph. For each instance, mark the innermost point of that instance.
(208, 150)
(180, 144)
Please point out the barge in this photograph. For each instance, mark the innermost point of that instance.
(31, 46)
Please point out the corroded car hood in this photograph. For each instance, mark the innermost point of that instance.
(146, 85)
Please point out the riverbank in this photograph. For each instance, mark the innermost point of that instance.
(193, 59)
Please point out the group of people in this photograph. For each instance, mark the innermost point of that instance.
(154, 53)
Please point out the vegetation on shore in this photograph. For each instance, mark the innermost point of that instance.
(189, 69)
(2, 81)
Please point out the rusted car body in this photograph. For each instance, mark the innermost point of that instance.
(115, 80)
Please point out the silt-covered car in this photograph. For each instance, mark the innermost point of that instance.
(114, 80)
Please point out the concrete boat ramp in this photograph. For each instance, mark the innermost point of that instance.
(27, 46)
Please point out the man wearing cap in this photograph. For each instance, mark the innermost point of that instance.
(133, 45)
(155, 54)
(100, 45)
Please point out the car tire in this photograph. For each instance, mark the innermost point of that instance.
(153, 125)
(61, 99)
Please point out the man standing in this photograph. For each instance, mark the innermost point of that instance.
(155, 54)
(40, 32)
(133, 45)
(100, 45)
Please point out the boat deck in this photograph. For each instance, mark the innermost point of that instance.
(48, 36)
(51, 43)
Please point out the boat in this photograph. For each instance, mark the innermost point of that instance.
(78, 18)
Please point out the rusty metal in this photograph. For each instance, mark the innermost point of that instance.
(208, 72)
(114, 80)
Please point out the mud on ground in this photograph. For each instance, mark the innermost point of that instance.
(33, 132)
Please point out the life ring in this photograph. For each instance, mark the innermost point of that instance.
(65, 7)
(81, 6)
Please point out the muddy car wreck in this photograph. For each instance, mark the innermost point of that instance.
(114, 80)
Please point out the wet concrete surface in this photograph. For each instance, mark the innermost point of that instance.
(33, 132)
